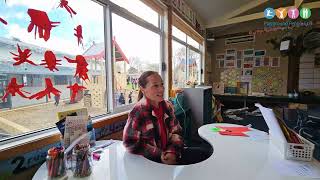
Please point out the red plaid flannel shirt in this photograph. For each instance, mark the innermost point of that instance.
(141, 134)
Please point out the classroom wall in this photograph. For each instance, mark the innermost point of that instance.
(218, 46)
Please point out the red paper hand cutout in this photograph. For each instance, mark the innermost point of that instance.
(49, 89)
(78, 34)
(40, 20)
(22, 57)
(14, 88)
(3, 21)
(74, 90)
(51, 61)
(81, 68)
(64, 4)
(233, 131)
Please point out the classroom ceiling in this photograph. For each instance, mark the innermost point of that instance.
(217, 13)
(213, 9)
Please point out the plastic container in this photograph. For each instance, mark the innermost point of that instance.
(55, 162)
(294, 151)
(81, 163)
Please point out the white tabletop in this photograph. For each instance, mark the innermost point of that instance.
(233, 158)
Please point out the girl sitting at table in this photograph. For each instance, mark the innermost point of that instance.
(152, 129)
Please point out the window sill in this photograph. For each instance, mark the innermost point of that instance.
(30, 142)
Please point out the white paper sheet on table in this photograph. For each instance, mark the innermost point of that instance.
(272, 122)
(297, 168)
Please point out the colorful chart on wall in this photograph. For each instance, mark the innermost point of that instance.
(267, 80)
(230, 77)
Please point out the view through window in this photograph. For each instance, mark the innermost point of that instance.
(186, 58)
(19, 114)
(135, 50)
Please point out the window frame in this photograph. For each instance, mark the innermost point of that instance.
(188, 48)
(108, 9)
(122, 12)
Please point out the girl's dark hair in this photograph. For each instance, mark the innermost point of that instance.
(142, 81)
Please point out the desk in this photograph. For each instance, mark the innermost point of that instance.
(234, 158)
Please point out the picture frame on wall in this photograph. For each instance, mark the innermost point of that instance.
(247, 72)
(257, 61)
(231, 52)
(239, 63)
(259, 52)
(248, 52)
(248, 59)
(230, 58)
(221, 64)
(266, 61)
(247, 65)
(220, 57)
(275, 62)
(229, 64)
(239, 54)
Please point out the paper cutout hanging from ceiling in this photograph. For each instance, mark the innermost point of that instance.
(22, 57)
(74, 91)
(78, 34)
(3, 21)
(81, 68)
(41, 21)
(51, 61)
(64, 4)
(49, 89)
(13, 88)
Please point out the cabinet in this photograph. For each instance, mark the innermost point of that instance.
(199, 100)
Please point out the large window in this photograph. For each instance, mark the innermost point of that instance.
(135, 49)
(186, 58)
(126, 47)
(21, 114)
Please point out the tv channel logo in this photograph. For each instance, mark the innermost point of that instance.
(282, 13)
(269, 13)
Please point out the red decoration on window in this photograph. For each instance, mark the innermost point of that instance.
(78, 34)
(81, 68)
(40, 20)
(49, 89)
(14, 88)
(22, 57)
(74, 90)
(64, 4)
(50, 60)
(3, 21)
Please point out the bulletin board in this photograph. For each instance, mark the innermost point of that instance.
(267, 80)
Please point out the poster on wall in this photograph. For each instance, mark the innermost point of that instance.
(266, 61)
(229, 64)
(259, 52)
(248, 52)
(247, 72)
(221, 64)
(248, 59)
(247, 65)
(230, 58)
(231, 52)
(239, 54)
(275, 61)
(239, 63)
(219, 57)
(257, 61)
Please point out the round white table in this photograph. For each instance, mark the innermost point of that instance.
(233, 158)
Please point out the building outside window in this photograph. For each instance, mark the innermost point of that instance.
(136, 47)
(186, 58)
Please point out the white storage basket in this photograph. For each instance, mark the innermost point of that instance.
(303, 152)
